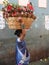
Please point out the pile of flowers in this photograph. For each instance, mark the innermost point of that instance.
(11, 10)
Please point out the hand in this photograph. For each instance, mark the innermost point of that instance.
(21, 62)
(24, 57)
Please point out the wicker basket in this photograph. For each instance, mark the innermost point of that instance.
(13, 22)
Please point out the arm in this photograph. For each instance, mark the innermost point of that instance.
(23, 34)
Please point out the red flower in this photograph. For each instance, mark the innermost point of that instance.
(14, 13)
(30, 7)
(24, 8)
(19, 8)
(9, 7)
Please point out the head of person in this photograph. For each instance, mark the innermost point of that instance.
(20, 32)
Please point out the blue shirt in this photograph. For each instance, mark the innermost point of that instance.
(21, 45)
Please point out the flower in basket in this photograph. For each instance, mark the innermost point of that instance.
(9, 7)
(14, 14)
(14, 10)
(30, 6)
(19, 8)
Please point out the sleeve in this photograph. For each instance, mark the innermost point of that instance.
(19, 43)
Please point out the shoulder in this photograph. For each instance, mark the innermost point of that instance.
(18, 40)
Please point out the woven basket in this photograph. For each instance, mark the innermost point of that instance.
(13, 22)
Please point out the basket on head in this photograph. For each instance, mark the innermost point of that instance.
(16, 23)
(18, 17)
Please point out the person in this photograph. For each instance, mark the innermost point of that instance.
(22, 54)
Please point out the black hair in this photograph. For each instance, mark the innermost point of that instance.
(18, 32)
(31, 3)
